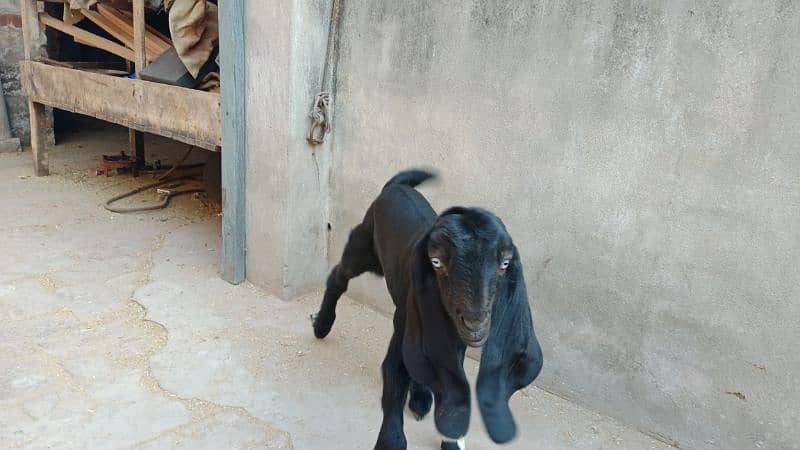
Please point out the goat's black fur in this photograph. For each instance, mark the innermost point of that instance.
(432, 320)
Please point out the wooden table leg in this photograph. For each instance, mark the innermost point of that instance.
(38, 118)
(41, 163)
(136, 148)
(136, 138)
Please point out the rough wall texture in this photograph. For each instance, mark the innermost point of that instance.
(287, 180)
(11, 52)
(644, 156)
(8, 6)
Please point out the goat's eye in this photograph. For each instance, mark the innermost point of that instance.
(504, 265)
(436, 263)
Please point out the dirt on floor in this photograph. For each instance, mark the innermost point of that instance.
(118, 333)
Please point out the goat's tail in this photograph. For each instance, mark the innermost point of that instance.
(413, 178)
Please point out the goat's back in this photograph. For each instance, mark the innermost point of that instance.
(400, 217)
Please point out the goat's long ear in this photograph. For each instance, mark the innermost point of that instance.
(432, 351)
(423, 291)
(511, 358)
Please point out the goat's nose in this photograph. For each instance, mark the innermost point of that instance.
(473, 320)
(472, 316)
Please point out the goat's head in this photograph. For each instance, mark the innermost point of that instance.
(470, 251)
(467, 271)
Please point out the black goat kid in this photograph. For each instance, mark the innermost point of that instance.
(456, 281)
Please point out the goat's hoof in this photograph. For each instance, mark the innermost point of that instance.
(419, 403)
(322, 326)
(453, 445)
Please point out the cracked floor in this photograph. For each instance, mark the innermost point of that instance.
(119, 334)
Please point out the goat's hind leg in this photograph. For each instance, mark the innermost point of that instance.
(358, 257)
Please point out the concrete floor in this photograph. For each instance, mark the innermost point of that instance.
(118, 333)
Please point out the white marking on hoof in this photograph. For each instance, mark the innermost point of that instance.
(461, 442)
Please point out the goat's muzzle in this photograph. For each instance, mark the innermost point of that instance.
(474, 330)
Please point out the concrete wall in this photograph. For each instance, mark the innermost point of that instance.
(645, 157)
(11, 52)
(287, 179)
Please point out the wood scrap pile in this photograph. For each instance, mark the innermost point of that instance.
(188, 61)
(118, 24)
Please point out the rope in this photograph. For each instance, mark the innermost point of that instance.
(177, 164)
(321, 122)
(319, 119)
(163, 203)
(161, 181)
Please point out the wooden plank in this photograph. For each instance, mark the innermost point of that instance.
(30, 29)
(234, 139)
(53, 62)
(38, 118)
(117, 17)
(118, 33)
(128, 15)
(88, 65)
(86, 37)
(112, 3)
(186, 115)
(36, 111)
(138, 35)
(116, 23)
(153, 39)
(136, 148)
(91, 43)
(136, 142)
(124, 34)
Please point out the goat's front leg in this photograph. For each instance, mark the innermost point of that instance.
(395, 390)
